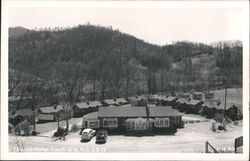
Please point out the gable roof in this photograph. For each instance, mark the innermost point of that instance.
(110, 101)
(197, 92)
(194, 102)
(211, 103)
(138, 98)
(124, 111)
(182, 100)
(51, 109)
(89, 104)
(171, 98)
(159, 97)
(121, 100)
(162, 111)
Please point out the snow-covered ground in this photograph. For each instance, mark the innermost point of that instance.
(192, 138)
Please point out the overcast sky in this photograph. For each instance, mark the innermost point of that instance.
(154, 25)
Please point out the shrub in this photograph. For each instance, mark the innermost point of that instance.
(60, 132)
(24, 127)
(17, 130)
(74, 128)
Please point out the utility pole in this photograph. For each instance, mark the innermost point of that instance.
(225, 103)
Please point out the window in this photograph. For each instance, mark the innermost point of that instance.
(162, 122)
(93, 124)
(110, 123)
(129, 125)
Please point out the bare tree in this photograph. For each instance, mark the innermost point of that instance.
(69, 75)
(20, 143)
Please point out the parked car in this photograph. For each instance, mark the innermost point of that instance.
(87, 134)
(101, 136)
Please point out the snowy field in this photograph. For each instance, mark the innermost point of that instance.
(192, 139)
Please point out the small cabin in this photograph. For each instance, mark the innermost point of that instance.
(208, 95)
(84, 108)
(109, 102)
(181, 104)
(210, 108)
(234, 112)
(138, 100)
(198, 96)
(49, 113)
(169, 101)
(193, 106)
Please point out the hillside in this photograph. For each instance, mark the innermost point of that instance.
(117, 64)
(17, 31)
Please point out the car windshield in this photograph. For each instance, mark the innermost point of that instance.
(101, 133)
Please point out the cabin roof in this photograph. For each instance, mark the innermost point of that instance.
(171, 98)
(88, 104)
(194, 102)
(197, 93)
(182, 100)
(121, 100)
(110, 101)
(51, 109)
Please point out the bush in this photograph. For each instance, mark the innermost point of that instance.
(24, 127)
(60, 132)
(74, 128)
(17, 130)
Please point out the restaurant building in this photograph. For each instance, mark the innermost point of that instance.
(130, 118)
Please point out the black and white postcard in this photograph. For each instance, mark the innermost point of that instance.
(122, 80)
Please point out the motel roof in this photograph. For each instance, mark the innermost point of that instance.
(89, 104)
(162, 111)
(51, 109)
(125, 111)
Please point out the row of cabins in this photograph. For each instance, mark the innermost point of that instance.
(78, 110)
(131, 118)
(51, 113)
(195, 103)
(210, 108)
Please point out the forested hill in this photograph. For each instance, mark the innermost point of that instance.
(111, 57)
(39, 50)
(17, 31)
